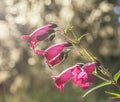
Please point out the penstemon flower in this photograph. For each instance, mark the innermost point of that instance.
(39, 34)
(64, 77)
(54, 54)
(80, 74)
(84, 77)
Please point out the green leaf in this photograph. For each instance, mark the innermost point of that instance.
(115, 95)
(79, 39)
(98, 86)
(116, 76)
(67, 28)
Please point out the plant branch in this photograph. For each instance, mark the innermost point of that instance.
(93, 58)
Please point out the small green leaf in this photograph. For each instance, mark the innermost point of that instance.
(115, 95)
(116, 76)
(94, 88)
(79, 39)
(65, 30)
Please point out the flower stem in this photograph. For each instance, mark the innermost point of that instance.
(87, 53)
(106, 80)
(64, 34)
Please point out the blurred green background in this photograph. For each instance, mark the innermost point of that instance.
(24, 77)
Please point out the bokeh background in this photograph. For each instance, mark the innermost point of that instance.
(24, 77)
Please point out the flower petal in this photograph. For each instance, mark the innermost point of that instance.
(89, 67)
(54, 50)
(91, 78)
(85, 85)
(63, 77)
(39, 52)
(25, 37)
(57, 60)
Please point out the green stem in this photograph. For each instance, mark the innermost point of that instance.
(108, 74)
(106, 80)
(88, 54)
(64, 34)
(74, 34)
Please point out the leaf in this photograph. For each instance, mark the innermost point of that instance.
(115, 95)
(116, 76)
(98, 86)
(67, 28)
(79, 39)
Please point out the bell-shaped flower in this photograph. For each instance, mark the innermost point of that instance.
(64, 77)
(81, 75)
(54, 54)
(84, 77)
(39, 34)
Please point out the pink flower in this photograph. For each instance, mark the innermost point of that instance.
(81, 75)
(54, 54)
(84, 77)
(39, 34)
(64, 77)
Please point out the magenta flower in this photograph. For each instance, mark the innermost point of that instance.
(54, 54)
(64, 77)
(39, 34)
(84, 77)
(81, 75)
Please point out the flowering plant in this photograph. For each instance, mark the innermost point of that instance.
(81, 74)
